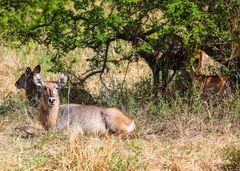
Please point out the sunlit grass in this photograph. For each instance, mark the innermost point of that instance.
(188, 133)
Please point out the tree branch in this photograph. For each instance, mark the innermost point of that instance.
(169, 81)
(105, 63)
(101, 71)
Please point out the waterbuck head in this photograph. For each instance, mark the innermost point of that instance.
(26, 79)
(49, 92)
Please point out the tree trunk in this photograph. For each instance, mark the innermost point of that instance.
(165, 78)
(156, 84)
(156, 80)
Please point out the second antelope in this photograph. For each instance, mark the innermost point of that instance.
(214, 83)
(25, 81)
(78, 118)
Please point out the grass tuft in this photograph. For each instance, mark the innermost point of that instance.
(231, 155)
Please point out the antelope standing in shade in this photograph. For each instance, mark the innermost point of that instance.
(76, 94)
(215, 83)
(78, 118)
(207, 83)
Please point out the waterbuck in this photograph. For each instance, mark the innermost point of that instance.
(75, 117)
(75, 94)
(25, 82)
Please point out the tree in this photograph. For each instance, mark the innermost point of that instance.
(163, 33)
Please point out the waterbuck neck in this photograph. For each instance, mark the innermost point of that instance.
(49, 114)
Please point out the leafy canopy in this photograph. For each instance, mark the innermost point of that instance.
(148, 26)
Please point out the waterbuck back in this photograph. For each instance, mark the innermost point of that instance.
(83, 118)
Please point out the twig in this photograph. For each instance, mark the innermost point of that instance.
(21, 129)
(174, 72)
(124, 79)
(104, 85)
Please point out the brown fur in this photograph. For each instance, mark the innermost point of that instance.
(48, 114)
(207, 83)
(215, 83)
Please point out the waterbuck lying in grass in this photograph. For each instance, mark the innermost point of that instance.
(78, 118)
(76, 94)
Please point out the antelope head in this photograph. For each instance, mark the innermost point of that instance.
(49, 93)
(27, 77)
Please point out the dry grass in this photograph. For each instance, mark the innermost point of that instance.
(186, 135)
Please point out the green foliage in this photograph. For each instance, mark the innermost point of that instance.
(66, 25)
(186, 20)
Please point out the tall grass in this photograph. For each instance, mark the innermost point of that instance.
(186, 132)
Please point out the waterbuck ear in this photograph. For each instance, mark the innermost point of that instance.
(28, 72)
(62, 80)
(38, 80)
(37, 69)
